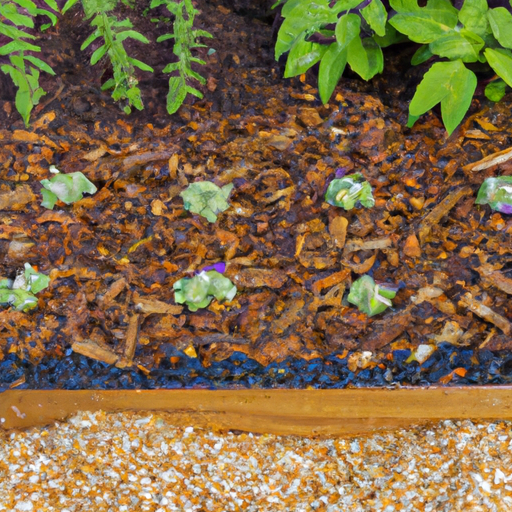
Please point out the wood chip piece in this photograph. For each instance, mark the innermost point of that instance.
(16, 199)
(91, 349)
(485, 312)
(338, 231)
(441, 210)
(496, 278)
(153, 306)
(386, 330)
(499, 157)
(412, 246)
(130, 343)
(259, 277)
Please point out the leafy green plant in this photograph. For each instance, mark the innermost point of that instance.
(497, 193)
(370, 297)
(185, 39)
(198, 291)
(457, 40)
(68, 188)
(113, 33)
(24, 69)
(20, 293)
(347, 191)
(206, 199)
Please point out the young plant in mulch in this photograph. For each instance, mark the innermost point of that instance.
(24, 69)
(369, 297)
(20, 293)
(352, 32)
(68, 188)
(185, 40)
(206, 199)
(347, 191)
(197, 292)
(497, 193)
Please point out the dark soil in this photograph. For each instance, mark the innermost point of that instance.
(113, 257)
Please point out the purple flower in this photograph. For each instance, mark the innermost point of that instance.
(503, 208)
(341, 171)
(220, 267)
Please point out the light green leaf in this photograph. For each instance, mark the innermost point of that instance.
(20, 300)
(501, 61)
(133, 35)
(140, 65)
(176, 95)
(369, 297)
(206, 199)
(98, 54)
(497, 193)
(423, 24)
(347, 191)
(495, 90)
(465, 45)
(473, 15)
(347, 29)
(16, 46)
(365, 57)
(40, 64)
(197, 292)
(69, 188)
(376, 15)
(35, 281)
(422, 54)
(448, 83)
(501, 24)
(302, 56)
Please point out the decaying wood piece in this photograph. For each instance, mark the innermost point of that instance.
(496, 158)
(130, 343)
(114, 290)
(495, 278)
(485, 312)
(150, 306)
(385, 331)
(441, 210)
(91, 349)
(357, 244)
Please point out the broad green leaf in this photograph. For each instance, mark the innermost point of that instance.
(495, 90)
(501, 23)
(165, 37)
(331, 68)
(392, 37)
(455, 45)
(40, 64)
(347, 28)
(69, 188)
(302, 56)
(14, 33)
(52, 4)
(194, 92)
(68, 5)
(176, 95)
(501, 61)
(473, 15)
(448, 83)
(27, 4)
(376, 16)
(35, 281)
(20, 300)
(346, 5)
(206, 199)
(423, 24)
(305, 16)
(90, 39)
(365, 57)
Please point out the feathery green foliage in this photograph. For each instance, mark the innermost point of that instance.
(185, 39)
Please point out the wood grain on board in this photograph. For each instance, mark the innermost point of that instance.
(278, 411)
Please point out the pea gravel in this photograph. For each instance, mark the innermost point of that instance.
(140, 462)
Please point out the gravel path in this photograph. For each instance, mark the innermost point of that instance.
(140, 462)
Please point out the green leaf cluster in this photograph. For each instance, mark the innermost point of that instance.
(113, 33)
(370, 297)
(185, 39)
(69, 188)
(454, 38)
(346, 192)
(20, 293)
(198, 291)
(24, 69)
(206, 199)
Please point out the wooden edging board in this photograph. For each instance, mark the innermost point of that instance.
(277, 411)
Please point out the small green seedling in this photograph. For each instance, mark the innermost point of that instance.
(370, 297)
(206, 199)
(20, 293)
(497, 193)
(69, 188)
(347, 191)
(198, 291)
